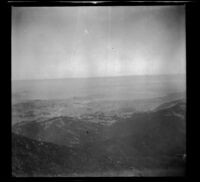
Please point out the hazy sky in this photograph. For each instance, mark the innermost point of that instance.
(58, 42)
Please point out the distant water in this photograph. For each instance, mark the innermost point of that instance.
(115, 88)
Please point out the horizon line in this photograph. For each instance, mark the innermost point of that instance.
(39, 79)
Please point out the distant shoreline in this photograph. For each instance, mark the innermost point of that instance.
(102, 77)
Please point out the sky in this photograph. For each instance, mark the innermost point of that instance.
(96, 41)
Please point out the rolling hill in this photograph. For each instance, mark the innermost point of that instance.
(147, 143)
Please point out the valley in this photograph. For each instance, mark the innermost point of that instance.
(84, 136)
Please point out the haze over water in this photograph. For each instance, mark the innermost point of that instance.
(97, 52)
(114, 88)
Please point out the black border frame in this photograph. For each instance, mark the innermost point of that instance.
(191, 11)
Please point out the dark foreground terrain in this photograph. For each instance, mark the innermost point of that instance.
(150, 143)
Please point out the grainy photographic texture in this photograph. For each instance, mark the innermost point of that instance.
(98, 91)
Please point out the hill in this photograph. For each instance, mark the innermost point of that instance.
(151, 141)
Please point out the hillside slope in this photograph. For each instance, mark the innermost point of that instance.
(150, 141)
